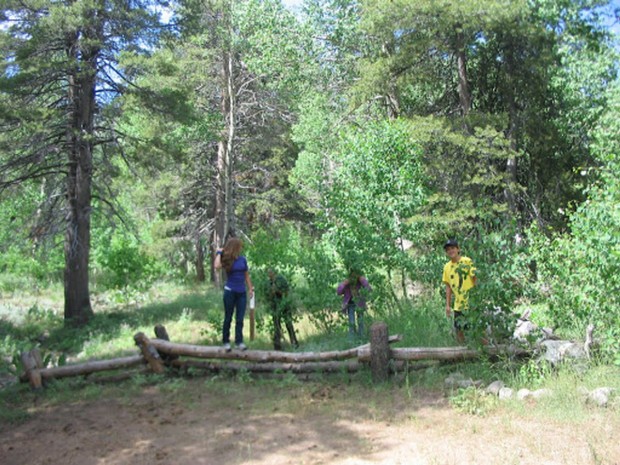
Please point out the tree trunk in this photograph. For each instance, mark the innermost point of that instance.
(513, 114)
(80, 129)
(392, 101)
(463, 86)
(200, 260)
(224, 206)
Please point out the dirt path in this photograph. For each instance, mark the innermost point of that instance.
(234, 423)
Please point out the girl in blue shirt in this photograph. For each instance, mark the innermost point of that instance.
(235, 295)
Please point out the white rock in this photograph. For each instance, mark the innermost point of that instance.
(540, 393)
(523, 394)
(600, 396)
(505, 393)
(495, 387)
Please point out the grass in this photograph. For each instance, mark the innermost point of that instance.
(193, 314)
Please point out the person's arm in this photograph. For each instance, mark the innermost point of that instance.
(342, 287)
(248, 283)
(448, 300)
(217, 264)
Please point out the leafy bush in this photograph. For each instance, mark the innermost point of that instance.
(582, 272)
(122, 256)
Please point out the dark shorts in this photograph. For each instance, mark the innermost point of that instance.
(460, 321)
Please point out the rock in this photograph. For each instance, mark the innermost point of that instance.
(453, 380)
(600, 396)
(505, 393)
(556, 352)
(523, 329)
(495, 387)
(540, 393)
(523, 394)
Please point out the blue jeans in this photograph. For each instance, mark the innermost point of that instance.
(234, 300)
(352, 310)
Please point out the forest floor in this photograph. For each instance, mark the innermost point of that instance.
(222, 421)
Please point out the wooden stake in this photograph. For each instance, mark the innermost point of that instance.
(32, 371)
(149, 353)
(379, 352)
(161, 333)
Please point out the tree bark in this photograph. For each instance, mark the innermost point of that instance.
(379, 352)
(200, 260)
(32, 370)
(149, 353)
(348, 366)
(463, 85)
(89, 367)
(513, 114)
(79, 136)
(224, 203)
(190, 350)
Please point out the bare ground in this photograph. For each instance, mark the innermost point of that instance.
(232, 422)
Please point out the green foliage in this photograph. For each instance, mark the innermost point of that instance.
(421, 322)
(377, 187)
(582, 269)
(503, 269)
(126, 261)
(473, 401)
(533, 374)
(311, 267)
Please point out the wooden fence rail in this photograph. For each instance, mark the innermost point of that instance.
(159, 353)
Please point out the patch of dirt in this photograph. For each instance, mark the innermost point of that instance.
(202, 422)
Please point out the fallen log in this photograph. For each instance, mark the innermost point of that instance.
(444, 353)
(91, 367)
(263, 356)
(348, 366)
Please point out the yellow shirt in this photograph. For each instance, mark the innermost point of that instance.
(460, 277)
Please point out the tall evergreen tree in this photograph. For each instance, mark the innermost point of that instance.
(58, 74)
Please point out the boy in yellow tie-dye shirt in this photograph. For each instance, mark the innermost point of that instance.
(459, 275)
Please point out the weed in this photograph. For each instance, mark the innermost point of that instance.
(533, 373)
(172, 385)
(473, 401)
(244, 376)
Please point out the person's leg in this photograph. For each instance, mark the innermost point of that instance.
(240, 303)
(351, 314)
(229, 306)
(360, 322)
(287, 316)
(277, 326)
(459, 326)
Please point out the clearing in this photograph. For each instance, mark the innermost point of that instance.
(212, 421)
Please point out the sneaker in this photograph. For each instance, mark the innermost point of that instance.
(242, 346)
(227, 347)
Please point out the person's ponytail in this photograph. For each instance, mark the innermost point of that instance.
(227, 260)
(231, 251)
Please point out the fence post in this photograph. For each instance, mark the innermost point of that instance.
(32, 364)
(379, 351)
(161, 333)
(149, 353)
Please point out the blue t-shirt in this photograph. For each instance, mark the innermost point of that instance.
(235, 278)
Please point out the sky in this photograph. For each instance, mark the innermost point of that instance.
(293, 4)
(613, 25)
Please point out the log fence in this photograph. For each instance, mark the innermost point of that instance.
(158, 354)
